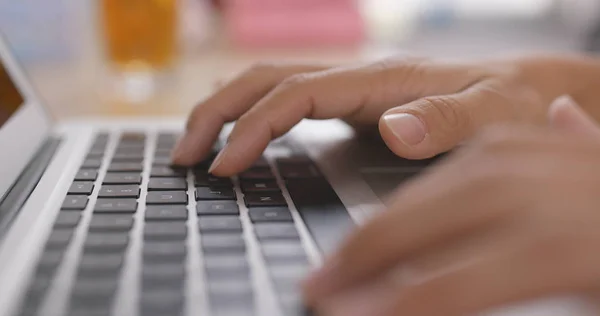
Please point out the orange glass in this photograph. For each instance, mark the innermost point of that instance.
(140, 32)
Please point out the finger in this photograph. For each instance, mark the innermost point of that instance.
(360, 94)
(433, 125)
(227, 104)
(565, 114)
(505, 276)
(432, 211)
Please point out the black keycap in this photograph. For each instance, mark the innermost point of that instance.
(163, 152)
(164, 250)
(119, 191)
(95, 153)
(100, 263)
(270, 214)
(111, 223)
(220, 224)
(264, 199)
(86, 175)
(92, 287)
(276, 231)
(259, 186)
(226, 266)
(283, 251)
(322, 212)
(153, 270)
(203, 179)
(122, 178)
(125, 167)
(166, 213)
(167, 184)
(217, 208)
(297, 168)
(165, 231)
(156, 284)
(231, 299)
(166, 137)
(139, 151)
(162, 303)
(88, 311)
(137, 146)
(91, 163)
(162, 161)
(81, 188)
(49, 262)
(167, 197)
(223, 244)
(214, 193)
(128, 156)
(59, 238)
(115, 206)
(257, 173)
(106, 242)
(67, 219)
(131, 161)
(261, 162)
(75, 202)
(167, 172)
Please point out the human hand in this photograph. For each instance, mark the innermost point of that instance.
(428, 106)
(512, 216)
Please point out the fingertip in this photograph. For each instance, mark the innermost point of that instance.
(400, 148)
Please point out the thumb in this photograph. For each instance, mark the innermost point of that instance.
(565, 114)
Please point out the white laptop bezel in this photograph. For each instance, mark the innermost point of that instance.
(25, 130)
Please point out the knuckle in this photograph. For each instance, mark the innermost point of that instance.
(452, 114)
(295, 81)
(260, 68)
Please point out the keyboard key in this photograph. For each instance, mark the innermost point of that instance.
(115, 206)
(167, 184)
(162, 303)
(292, 274)
(203, 179)
(119, 191)
(125, 167)
(162, 161)
(259, 186)
(67, 220)
(217, 208)
(166, 137)
(75, 202)
(166, 197)
(133, 146)
(152, 270)
(100, 264)
(166, 213)
(209, 193)
(283, 251)
(123, 178)
(111, 223)
(223, 244)
(139, 151)
(230, 287)
(91, 163)
(59, 238)
(263, 173)
(264, 199)
(297, 168)
(226, 266)
(164, 250)
(81, 188)
(220, 224)
(128, 156)
(165, 231)
(86, 175)
(167, 172)
(261, 162)
(270, 214)
(163, 152)
(49, 262)
(276, 231)
(106, 242)
(157, 284)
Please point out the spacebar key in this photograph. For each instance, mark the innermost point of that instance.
(323, 213)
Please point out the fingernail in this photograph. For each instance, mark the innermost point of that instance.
(218, 159)
(408, 128)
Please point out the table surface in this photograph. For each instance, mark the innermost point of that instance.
(84, 86)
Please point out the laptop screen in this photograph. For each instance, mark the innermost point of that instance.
(10, 98)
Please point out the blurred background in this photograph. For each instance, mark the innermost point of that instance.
(159, 57)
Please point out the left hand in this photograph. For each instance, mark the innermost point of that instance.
(513, 216)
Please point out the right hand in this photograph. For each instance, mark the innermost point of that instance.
(423, 107)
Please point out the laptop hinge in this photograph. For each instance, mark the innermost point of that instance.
(15, 198)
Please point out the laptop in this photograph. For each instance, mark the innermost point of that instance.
(94, 220)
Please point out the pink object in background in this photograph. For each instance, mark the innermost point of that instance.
(298, 23)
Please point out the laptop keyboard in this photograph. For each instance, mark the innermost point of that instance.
(114, 190)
